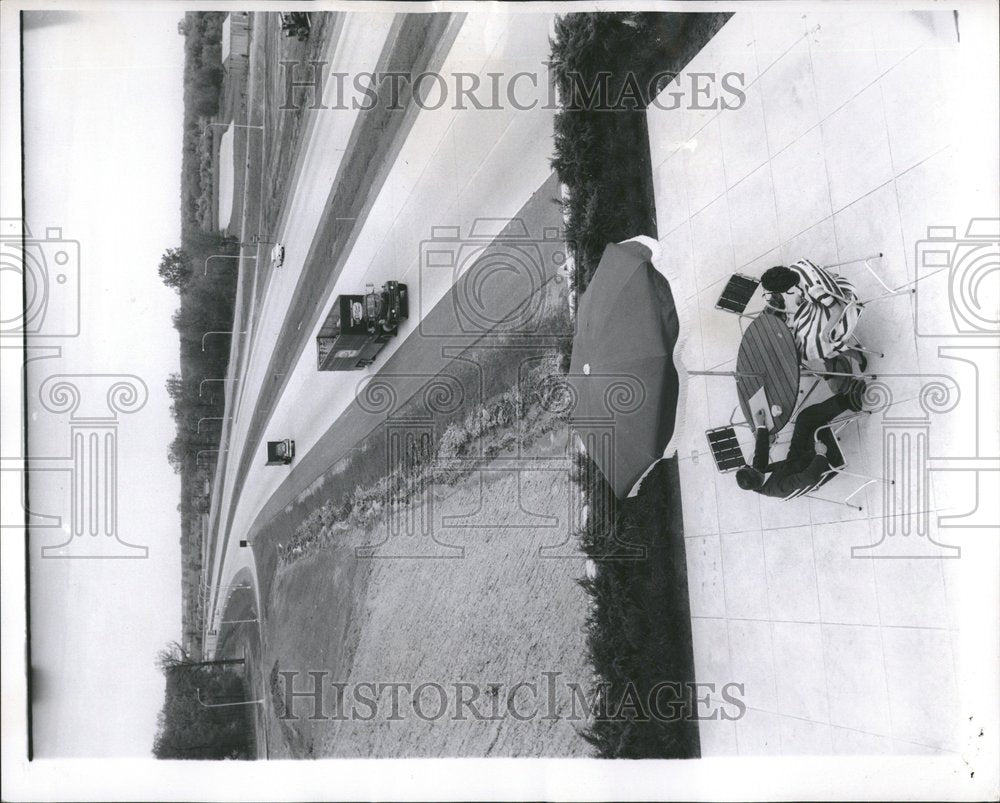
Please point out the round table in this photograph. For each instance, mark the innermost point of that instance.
(768, 358)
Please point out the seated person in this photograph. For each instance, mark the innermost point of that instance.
(804, 465)
(806, 281)
(819, 307)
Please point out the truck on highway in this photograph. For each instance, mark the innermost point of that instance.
(358, 327)
(295, 23)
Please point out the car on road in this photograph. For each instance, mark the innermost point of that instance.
(358, 327)
(278, 255)
(280, 453)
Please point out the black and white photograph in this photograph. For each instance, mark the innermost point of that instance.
(561, 401)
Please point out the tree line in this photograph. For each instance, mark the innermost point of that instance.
(203, 81)
(187, 729)
(206, 305)
(206, 301)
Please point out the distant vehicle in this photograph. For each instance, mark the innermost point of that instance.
(278, 255)
(295, 23)
(358, 327)
(280, 453)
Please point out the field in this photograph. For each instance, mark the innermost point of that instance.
(495, 616)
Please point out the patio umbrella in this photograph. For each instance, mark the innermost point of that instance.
(622, 367)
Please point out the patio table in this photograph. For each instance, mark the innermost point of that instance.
(768, 359)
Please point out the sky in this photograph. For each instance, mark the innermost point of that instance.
(102, 151)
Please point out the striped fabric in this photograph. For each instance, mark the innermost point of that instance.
(820, 325)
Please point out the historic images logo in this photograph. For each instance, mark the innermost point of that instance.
(45, 273)
(315, 696)
(965, 272)
(547, 86)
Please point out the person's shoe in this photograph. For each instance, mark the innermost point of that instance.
(833, 454)
(840, 364)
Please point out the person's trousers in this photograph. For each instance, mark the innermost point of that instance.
(803, 445)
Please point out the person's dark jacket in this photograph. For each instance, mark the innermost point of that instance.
(789, 475)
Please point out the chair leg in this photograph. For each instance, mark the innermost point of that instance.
(845, 503)
(734, 423)
(903, 289)
(906, 290)
(856, 346)
(858, 490)
(808, 393)
(734, 374)
(839, 423)
(814, 372)
(866, 261)
(866, 477)
(867, 264)
(852, 261)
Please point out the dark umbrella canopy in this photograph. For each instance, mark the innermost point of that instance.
(622, 366)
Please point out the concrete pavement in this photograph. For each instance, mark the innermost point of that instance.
(853, 632)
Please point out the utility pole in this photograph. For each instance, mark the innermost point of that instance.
(218, 662)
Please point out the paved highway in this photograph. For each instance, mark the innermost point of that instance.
(355, 45)
(454, 168)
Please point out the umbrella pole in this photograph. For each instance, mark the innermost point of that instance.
(811, 372)
(735, 374)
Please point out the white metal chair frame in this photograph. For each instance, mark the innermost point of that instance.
(904, 289)
(835, 427)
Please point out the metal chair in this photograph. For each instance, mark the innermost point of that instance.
(740, 289)
(835, 427)
(737, 294)
(854, 301)
(903, 289)
(725, 449)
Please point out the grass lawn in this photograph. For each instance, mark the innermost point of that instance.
(485, 609)
(496, 616)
